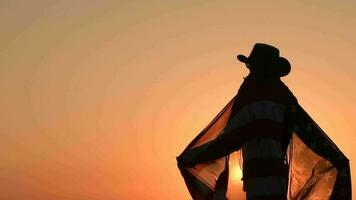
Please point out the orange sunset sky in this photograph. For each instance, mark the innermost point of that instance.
(98, 97)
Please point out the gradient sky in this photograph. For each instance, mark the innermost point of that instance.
(99, 97)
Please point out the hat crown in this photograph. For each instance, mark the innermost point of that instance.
(263, 52)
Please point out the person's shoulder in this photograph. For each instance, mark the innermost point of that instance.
(275, 90)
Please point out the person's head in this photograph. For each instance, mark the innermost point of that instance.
(265, 62)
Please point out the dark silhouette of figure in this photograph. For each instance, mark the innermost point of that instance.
(258, 126)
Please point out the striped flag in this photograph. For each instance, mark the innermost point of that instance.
(317, 169)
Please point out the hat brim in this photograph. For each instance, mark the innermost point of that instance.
(283, 67)
(242, 58)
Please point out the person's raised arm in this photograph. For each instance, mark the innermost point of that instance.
(224, 144)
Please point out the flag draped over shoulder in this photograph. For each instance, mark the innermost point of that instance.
(317, 168)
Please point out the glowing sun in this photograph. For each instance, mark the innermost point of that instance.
(236, 173)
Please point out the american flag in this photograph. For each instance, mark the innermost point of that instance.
(318, 170)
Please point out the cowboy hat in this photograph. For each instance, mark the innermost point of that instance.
(267, 56)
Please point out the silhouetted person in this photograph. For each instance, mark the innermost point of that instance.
(258, 125)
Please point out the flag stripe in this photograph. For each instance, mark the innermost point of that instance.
(267, 148)
(266, 186)
(257, 110)
(264, 167)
